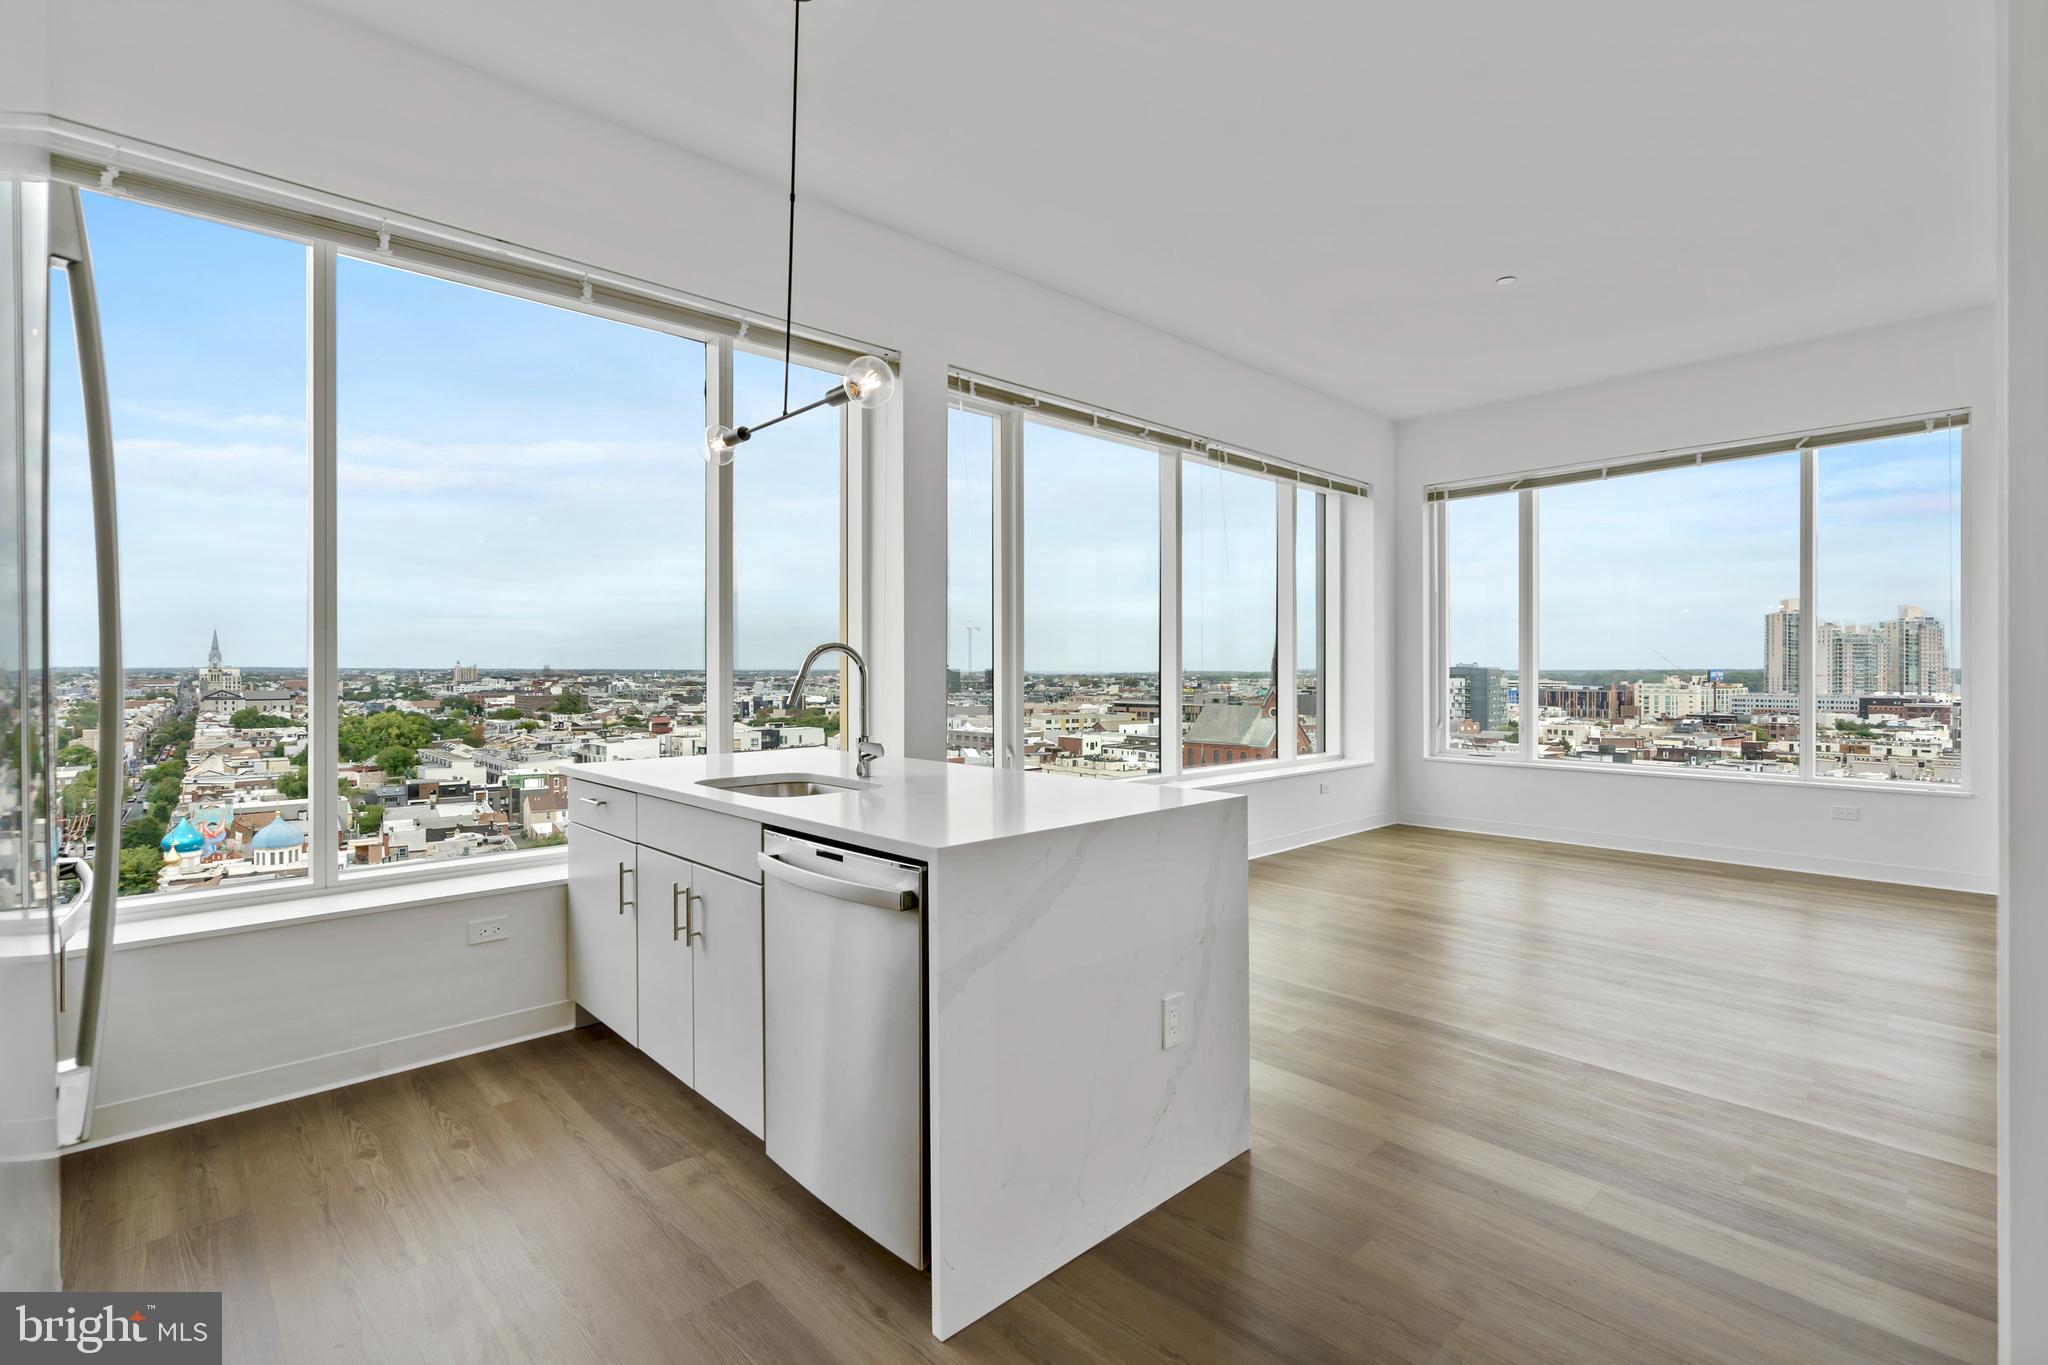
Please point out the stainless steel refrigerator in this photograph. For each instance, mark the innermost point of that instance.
(56, 903)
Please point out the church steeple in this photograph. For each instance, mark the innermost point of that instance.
(213, 655)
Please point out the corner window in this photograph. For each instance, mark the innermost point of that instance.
(1786, 608)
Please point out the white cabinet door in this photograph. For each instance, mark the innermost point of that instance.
(726, 912)
(602, 929)
(667, 994)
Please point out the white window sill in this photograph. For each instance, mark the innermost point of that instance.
(1837, 785)
(1263, 771)
(342, 902)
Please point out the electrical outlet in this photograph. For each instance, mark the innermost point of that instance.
(1171, 1022)
(1323, 787)
(492, 930)
(1846, 812)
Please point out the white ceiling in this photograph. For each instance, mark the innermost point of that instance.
(1326, 189)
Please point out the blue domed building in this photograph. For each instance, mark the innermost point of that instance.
(184, 841)
(278, 845)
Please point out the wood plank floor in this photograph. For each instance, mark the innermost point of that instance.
(1512, 1102)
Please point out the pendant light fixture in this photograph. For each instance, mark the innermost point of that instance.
(868, 381)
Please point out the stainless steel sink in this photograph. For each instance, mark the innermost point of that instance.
(782, 784)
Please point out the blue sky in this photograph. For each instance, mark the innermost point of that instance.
(519, 484)
(1682, 565)
(1091, 556)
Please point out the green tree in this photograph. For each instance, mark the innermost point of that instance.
(370, 819)
(250, 718)
(508, 713)
(80, 791)
(139, 869)
(363, 737)
(398, 761)
(291, 783)
(71, 755)
(571, 703)
(144, 831)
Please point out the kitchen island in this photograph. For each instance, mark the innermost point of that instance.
(1084, 983)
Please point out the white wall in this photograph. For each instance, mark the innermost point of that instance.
(199, 1026)
(1938, 840)
(306, 97)
(2023, 899)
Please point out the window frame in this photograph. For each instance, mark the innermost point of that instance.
(1808, 445)
(858, 431)
(1172, 452)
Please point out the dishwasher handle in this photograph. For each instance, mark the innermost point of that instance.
(881, 897)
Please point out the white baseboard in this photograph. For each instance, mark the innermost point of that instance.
(1302, 838)
(1896, 874)
(130, 1118)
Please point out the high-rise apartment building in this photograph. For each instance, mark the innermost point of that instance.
(1907, 654)
(1851, 659)
(1781, 647)
(1486, 694)
(1915, 655)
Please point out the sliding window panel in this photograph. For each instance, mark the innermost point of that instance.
(1670, 619)
(1091, 603)
(205, 333)
(1888, 579)
(1482, 625)
(787, 558)
(521, 560)
(1229, 634)
(970, 587)
(1311, 648)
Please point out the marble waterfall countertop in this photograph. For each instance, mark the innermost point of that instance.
(910, 807)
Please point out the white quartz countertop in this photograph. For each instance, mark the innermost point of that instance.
(909, 807)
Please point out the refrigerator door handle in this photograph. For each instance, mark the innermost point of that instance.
(80, 868)
(68, 249)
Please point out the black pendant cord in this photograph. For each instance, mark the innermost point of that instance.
(789, 270)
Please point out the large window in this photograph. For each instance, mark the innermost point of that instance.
(1091, 603)
(1480, 709)
(507, 501)
(1652, 588)
(1175, 603)
(521, 560)
(205, 330)
(1230, 617)
(970, 587)
(786, 549)
(1713, 611)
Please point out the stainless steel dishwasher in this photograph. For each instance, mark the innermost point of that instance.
(842, 957)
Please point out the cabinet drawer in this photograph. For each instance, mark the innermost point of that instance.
(601, 807)
(725, 842)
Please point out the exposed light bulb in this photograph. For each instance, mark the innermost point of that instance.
(720, 442)
(869, 381)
